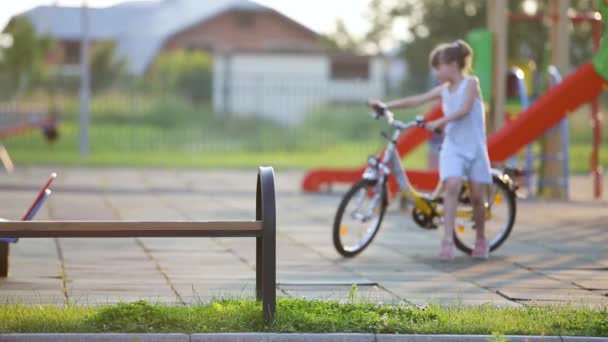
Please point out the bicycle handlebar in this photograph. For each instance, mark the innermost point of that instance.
(381, 110)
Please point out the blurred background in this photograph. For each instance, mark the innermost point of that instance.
(236, 83)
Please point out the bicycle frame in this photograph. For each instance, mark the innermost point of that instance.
(390, 164)
(380, 172)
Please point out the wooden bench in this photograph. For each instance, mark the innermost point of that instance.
(263, 229)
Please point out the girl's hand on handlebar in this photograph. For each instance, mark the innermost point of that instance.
(434, 126)
(376, 105)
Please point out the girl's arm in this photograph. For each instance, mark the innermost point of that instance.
(414, 101)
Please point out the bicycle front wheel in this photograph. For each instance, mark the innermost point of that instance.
(500, 217)
(359, 217)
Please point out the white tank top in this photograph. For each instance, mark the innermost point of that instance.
(466, 136)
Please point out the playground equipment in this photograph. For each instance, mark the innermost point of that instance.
(19, 119)
(580, 87)
(557, 144)
(521, 91)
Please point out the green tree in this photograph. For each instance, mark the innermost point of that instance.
(431, 22)
(186, 72)
(106, 68)
(341, 38)
(23, 62)
(381, 20)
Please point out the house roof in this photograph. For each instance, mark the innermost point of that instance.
(139, 28)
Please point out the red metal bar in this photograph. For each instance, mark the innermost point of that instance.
(40, 195)
(24, 127)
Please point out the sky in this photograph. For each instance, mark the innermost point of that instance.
(319, 15)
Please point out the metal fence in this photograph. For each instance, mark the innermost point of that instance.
(282, 115)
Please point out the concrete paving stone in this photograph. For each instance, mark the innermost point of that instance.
(20, 259)
(408, 277)
(463, 338)
(120, 277)
(550, 261)
(532, 285)
(245, 337)
(208, 276)
(554, 295)
(108, 286)
(577, 275)
(474, 294)
(118, 337)
(205, 288)
(601, 292)
(401, 253)
(432, 287)
(33, 298)
(80, 207)
(99, 299)
(165, 249)
(118, 295)
(459, 302)
(479, 296)
(317, 279)
(202, 259)
(519, 278)
(236, 271)
(593, 284)
(29, 284)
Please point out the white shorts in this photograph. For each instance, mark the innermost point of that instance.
(455, 165)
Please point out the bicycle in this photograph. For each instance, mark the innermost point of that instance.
(370, 200)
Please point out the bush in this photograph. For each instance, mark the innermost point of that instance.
(187, 73)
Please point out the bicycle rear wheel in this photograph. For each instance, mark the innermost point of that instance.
(501, 209)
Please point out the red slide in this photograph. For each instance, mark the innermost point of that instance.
(580, 87)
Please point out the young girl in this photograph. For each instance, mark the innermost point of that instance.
(464, 152)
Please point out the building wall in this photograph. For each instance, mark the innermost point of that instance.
(286, 87)
(243, 30)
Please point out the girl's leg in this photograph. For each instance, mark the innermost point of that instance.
(478, 191)
(450, 202)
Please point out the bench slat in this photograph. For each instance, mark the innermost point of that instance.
(110, 229)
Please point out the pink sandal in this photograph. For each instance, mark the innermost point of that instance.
(481, 250)
(446, 252)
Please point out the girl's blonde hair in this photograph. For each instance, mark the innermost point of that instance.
(458, 51)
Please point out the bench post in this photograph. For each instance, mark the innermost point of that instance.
(265, 265)
(4, 246)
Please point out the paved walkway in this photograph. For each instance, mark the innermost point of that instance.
(556, 254)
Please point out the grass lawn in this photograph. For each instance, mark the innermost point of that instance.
(298, 315)
(105, 152)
